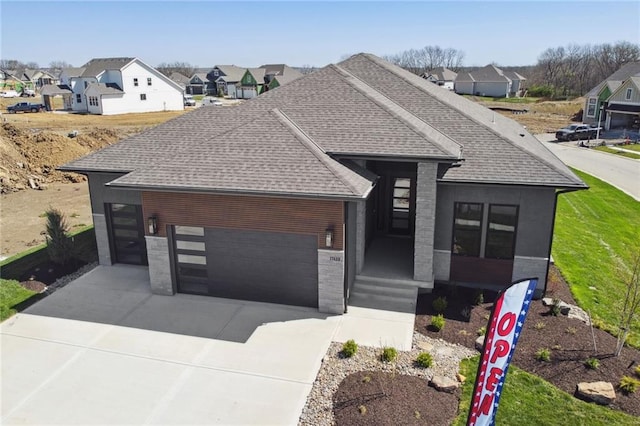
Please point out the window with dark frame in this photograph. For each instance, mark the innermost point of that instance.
(135, 82)
(149, 81)
(501, 231)
(143, 96)
(78, 98)
(467, 229)
(591, 110)
(629, 94)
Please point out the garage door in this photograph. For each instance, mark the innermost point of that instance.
(249, 265)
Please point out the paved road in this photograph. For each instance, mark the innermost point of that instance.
(621, 172)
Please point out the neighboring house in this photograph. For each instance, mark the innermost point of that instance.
(18, 79)
(251, 84)
(601, 106)
(226, 79)
(199, 84)
(119, 86)
(441, 76)
(489, 81)
(276, 75)
(181, 79)
(377, 177)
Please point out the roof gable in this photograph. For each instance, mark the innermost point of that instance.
(627, 70)
(97, 66)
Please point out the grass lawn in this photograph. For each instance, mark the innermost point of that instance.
(618, 152)
(528, 400)
(631, 147)
(595, 241)
(11, 293)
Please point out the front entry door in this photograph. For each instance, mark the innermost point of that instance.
(401, 215)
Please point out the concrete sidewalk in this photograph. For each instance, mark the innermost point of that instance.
(104, 350)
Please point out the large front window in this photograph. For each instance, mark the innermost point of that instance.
(501, 231)
(467, 229)
(591, 109)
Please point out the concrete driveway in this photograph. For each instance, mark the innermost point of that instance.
(104, 350)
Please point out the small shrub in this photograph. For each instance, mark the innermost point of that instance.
(440, 304)
(540, 325)
(571, 330)
(466, 312)
(486, 316)
(424, 360)
(482, 331)
(59, 245)
(629, 384)
(592, 363)
(556, 347)
(417, 415)
(555, 308)
(389, 354)
(349, 348)
(478, 298)
(543, 355)
(637, 371)
(437, 322)
(362, 409)
(366, 379)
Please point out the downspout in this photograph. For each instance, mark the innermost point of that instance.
(553, 226)
(346, 257)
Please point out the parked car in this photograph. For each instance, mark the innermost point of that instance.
(574, 132)
(28, 93)
(9, 94)
(211, 101)
(25, 107)
(189, 101)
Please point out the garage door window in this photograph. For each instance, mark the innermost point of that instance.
(191, 259)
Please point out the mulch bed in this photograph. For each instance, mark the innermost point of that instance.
(34, 285)
(569, 340)
(377, 398)
(48, 272)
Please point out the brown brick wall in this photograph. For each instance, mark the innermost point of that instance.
(288, 215)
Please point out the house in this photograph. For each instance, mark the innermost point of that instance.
(441, 76)
(612, 102)
(378, 179)
(119, 86)
(252, 83)
(18, 79)
(489, 81)
(181, 79)
(276, 75)
(226, 79)
(199, 84)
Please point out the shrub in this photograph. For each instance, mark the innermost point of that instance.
(437, 322)
(349, 348)
(440, 304)
(482, 331)
(362, 409)
(543, 355)
(59, 245)
(637, 371)
(592, 363)
(540, 325)
(571, 330)
(389, 354)
(417, 414)
(366, 379)
(466, 312)
(542, 91)
(629, 384)
(555, 308)
(424, 360)
(478, 298)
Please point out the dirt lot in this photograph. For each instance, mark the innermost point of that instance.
(32, 145)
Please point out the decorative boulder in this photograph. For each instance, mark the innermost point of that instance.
(479, 343)
(444, 384)
(599, 392)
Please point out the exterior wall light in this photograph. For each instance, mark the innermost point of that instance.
(152, 223)
(328, 237)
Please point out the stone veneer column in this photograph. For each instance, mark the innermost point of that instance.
(102, 239)
(361, 223)
(331, 281)
(425, 222)
(159, 265)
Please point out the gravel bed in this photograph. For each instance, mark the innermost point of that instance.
(319, 407)
(62, 281)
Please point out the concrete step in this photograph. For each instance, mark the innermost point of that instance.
(394, 281)
(386, 303)
(383, 289)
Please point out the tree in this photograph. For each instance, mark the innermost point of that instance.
(426, 59)
(59, 65)
(183, 68)
(59, 245)
(630, 312)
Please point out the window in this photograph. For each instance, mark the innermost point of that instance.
(216, 73)
(629, 94)
(135, 82)
(591, 109)
(143, 96)
(149, 81)
(501, 231)
(93, 100)
(467, 229)
(78, 99)
(86, 84)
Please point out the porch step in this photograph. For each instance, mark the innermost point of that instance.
(383, 294)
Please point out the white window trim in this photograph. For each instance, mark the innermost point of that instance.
(628, 94)
(595, 105)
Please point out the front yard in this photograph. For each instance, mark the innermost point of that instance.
(11, 293)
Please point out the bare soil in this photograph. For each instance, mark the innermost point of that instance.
(542, 117)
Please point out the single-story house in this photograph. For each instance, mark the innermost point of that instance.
(615, 102)
(359, 171)
(489, 81)
(119, 86)
(441, 76)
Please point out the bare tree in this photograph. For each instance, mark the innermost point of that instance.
(426, 59)
(630, 312)
(183, 68)
(59, 65)
(306, 69)
(11, 64)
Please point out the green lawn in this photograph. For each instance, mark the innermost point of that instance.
(618, 152)
(596, 236)
(632, 147)
(528, 400)
(11, 293)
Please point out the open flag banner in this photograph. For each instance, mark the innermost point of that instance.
(505, 324)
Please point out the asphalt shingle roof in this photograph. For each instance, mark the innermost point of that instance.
(627, 70)
(286, 141)
(96, 66)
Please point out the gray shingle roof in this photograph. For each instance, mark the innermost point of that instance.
(96, 66)
(105, 88)
(627, 70)
(286, 140)
(489, 73)
(232, 72)
(73, 71)
(513, 75)
(443, 74)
